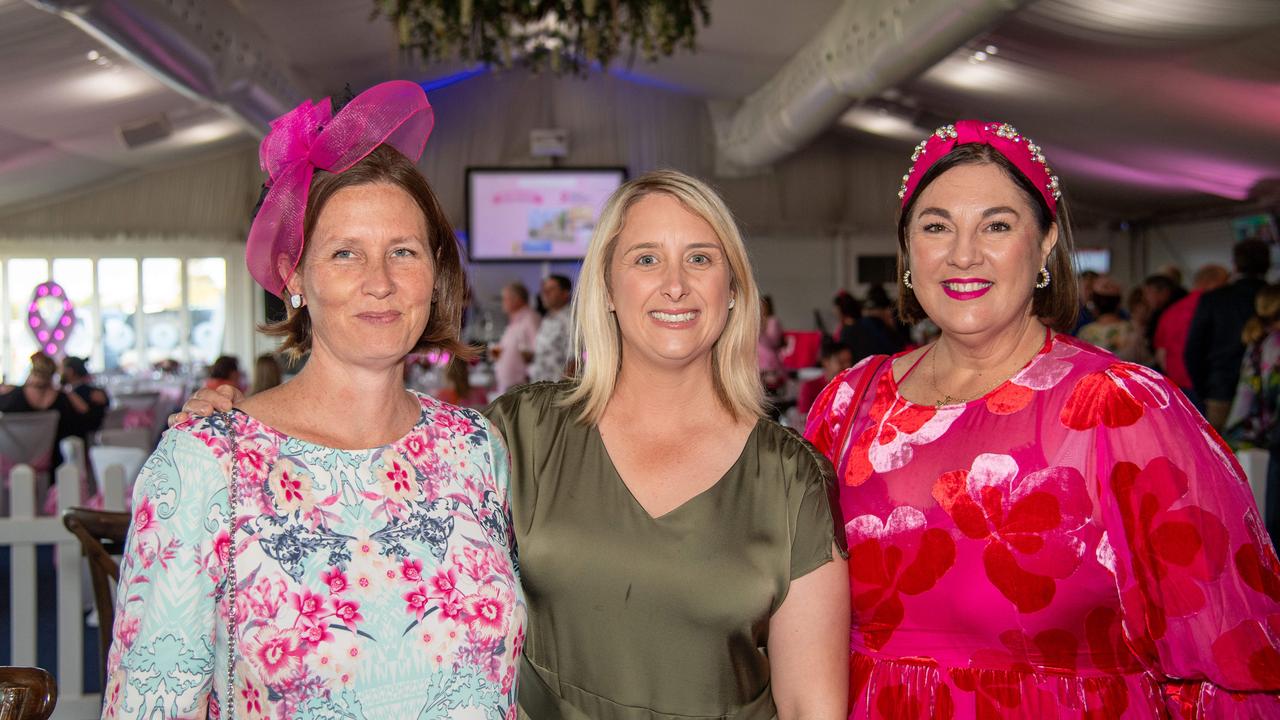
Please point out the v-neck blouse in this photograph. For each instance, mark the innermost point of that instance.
(612, 470)
(637, 617)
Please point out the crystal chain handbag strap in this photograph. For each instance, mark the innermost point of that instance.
(227, 706)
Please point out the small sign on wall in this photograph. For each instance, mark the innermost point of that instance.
(549, 142)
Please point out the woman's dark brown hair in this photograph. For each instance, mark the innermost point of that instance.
(1056, 305)
(387, 165)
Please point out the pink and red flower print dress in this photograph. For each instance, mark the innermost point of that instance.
(374, 583)
(1075, 544)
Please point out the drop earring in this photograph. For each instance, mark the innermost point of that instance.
(906, 279)
(1045, 277)
(295, 300)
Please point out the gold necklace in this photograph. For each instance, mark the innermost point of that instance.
(948, 398)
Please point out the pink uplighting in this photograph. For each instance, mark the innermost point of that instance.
(1164, 170)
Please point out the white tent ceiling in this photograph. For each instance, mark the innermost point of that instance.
(1144, 106)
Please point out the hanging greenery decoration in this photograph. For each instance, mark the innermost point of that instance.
(562, 36)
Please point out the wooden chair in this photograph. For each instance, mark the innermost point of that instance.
(26, 693)
(101, 535)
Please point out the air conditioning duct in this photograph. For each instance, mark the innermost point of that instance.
(204, 49)
(867, 47)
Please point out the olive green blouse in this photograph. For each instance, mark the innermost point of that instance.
(636, 617)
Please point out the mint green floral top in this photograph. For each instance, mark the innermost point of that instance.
(373, 583)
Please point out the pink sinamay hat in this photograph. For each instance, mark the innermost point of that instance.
(309, 138)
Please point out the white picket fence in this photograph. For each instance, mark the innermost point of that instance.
(22, 531)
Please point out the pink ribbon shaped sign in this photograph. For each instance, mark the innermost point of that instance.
(51, 316)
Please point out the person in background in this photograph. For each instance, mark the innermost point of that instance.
(1160, 292)
(1110, 331)
(225, 370)
(880, 323)
(769, 346)
(835, 359)
(514, 350)
(1214, 351)
(74, 376)
(1085, 281)
(551, 353)
(457, 389)
(849, 331)
(1036, 529)
(1255, 413)
(39, 393)
(1171, 271)
(266, 373)
(1170, 341)
(1135, 304)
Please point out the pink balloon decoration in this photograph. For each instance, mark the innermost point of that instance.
(50, 334)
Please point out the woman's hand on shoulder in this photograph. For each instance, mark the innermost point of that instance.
(207, 402)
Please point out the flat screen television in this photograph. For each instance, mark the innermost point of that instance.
(535, 213)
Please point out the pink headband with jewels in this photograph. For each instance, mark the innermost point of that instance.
(309, 138)
(1016, 148)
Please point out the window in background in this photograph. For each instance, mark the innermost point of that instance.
(22, 277)
(207, 307)
(75, 275)
(118, 298)
(162, 309)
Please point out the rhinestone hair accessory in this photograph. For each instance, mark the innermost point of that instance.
(311, 137)
(1005, 138)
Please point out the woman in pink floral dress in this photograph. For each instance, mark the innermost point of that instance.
(336, 546)
(1036, 529)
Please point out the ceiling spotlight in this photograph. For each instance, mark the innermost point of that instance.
(93, 55)
(979, 56)
(993, 50)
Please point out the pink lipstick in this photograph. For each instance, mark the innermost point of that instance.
(966, 288)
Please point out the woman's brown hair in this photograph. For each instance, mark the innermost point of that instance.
(387, 165)
(1056, 305)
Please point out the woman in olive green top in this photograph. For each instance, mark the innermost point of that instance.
(676, 549)
(681, 556)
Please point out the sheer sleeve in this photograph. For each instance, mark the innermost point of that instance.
(1199, 582)
(163, 642)
(827, 417)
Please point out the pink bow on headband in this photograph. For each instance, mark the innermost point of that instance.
(309, 138)
(1016, 148)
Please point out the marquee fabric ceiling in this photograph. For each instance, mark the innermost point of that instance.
(1145, 107)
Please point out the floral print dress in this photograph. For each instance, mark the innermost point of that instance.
(1075, 544)
(374, 583)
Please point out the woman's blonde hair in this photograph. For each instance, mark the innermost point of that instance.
(1267, 308)
(597, 341)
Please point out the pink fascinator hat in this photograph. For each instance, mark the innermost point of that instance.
(311, 137)
(1002, 137)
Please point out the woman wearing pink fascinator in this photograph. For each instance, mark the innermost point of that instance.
(335, 546)
(1036, 528)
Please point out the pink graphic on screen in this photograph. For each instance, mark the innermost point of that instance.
(536, 215)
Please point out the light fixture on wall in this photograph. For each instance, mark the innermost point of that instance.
(562, 36)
